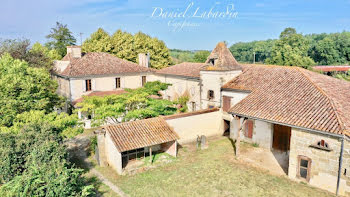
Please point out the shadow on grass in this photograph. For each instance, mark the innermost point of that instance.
(233, 144)
(97, 185)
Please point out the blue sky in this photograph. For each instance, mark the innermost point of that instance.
(249, 20)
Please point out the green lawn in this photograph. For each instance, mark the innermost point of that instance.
(210, 172)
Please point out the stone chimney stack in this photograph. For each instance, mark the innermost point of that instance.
(144, 59)
(74, 51)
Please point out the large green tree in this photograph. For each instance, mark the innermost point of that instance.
(133, 105)
(37, 56)
(34, 162)
(59, 38)
(63, 124)
(123, 46)
(99, 41)
(127, 46)
(23, 88)
(291, 50)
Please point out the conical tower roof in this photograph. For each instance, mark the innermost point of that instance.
(221, 59)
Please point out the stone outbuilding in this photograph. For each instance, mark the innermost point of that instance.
(298, 114)
(122, 143)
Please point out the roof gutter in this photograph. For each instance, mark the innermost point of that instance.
(297, 127)
(340, 164)
(235, 90)
(178, 76)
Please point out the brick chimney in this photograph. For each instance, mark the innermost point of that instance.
(144, 59)
(74, 51)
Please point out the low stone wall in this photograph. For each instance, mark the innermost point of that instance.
(324, 164)
(188, 126)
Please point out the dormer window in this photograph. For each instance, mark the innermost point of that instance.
(212, 61)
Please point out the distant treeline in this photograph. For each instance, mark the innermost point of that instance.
(296, 49)
(179, 56)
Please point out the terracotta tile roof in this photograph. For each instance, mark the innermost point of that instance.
(99, 93)
(188, 69)
(97, 63)
(224, 59)
(293, 96)
(331, 68)
(182, 115)
(141, 133)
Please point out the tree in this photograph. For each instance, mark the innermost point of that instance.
(290, 50)
(179, 56)
(59, 38)
(17, 48)
(23, 88)
(325, 52)
(123, 46)
(100, 41)
(127, 46)
(38, 56)
(201, 56)
(52, 54)
(63, 124)
(34, 162)
(133, 105)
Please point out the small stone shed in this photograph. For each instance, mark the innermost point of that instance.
(119, 144)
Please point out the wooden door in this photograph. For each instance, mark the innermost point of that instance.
(248, 130)
(281, 137)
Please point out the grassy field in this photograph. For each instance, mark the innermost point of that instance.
(210, 172)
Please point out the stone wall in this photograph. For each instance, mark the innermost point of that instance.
(346, 165)
(213, 80)
(236, 96)
(189, 127)
(63, 86)
(262, 133)
(180, 86)
(170, 148)
(113, 157)
(101, 144)
(324, 164)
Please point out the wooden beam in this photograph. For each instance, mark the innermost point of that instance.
(150, 154)
(238, 140)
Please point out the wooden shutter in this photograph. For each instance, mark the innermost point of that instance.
(248, 130)
(226, 103)
(88, 85)
(117, 83)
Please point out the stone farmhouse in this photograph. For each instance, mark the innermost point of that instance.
(301, 114)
